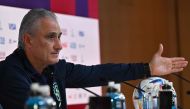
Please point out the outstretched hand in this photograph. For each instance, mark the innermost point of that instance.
(163, 65)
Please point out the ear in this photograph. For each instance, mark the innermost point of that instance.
(27, 40)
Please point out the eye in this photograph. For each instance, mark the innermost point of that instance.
(59, 37)
(51, 36)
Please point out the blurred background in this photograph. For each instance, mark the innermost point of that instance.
(131, 30)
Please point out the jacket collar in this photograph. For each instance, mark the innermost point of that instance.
(34, 75)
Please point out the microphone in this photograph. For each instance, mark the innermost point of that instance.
(95, 94)
(133, 86)
(184, 79)
(98, 102)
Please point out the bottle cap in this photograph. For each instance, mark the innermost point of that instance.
(118, 87)
(111, 87)
(44, 90)
(34, 86)
(111, 83)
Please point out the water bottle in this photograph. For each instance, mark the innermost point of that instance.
(117, 98)
(36, 102)
(45, 92)
(39, 98)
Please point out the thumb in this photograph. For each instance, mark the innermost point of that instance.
(160, 50)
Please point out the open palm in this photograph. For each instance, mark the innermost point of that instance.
(163, 65)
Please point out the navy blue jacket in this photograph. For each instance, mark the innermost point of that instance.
(17, 74)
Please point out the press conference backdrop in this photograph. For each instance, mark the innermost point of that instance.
(80, 42)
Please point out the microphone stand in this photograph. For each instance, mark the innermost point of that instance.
(181, 77)
(133, 86)
(188, 81)
(91, 92)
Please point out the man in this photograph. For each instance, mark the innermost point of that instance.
(36, 60)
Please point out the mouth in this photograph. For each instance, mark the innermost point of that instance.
(55, 54)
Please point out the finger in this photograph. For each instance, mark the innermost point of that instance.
(178, 59)
(179, 62)
(177, 69)
(160, 50)
(179, 65)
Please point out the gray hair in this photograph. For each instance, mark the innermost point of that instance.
(30, 21)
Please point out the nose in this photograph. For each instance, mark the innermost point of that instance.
(58, 45)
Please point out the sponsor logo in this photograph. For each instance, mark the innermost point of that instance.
(81, 33)
(64, 45)
(73, 45)
(75, 96)
(2, 40)
(12, 26)
(12, 41)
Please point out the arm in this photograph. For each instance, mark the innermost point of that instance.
(96, 75)
(83, 76)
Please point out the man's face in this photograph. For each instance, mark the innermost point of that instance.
(45, 42)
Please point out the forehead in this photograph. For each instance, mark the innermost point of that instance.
(46, 24)
(47, 21)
